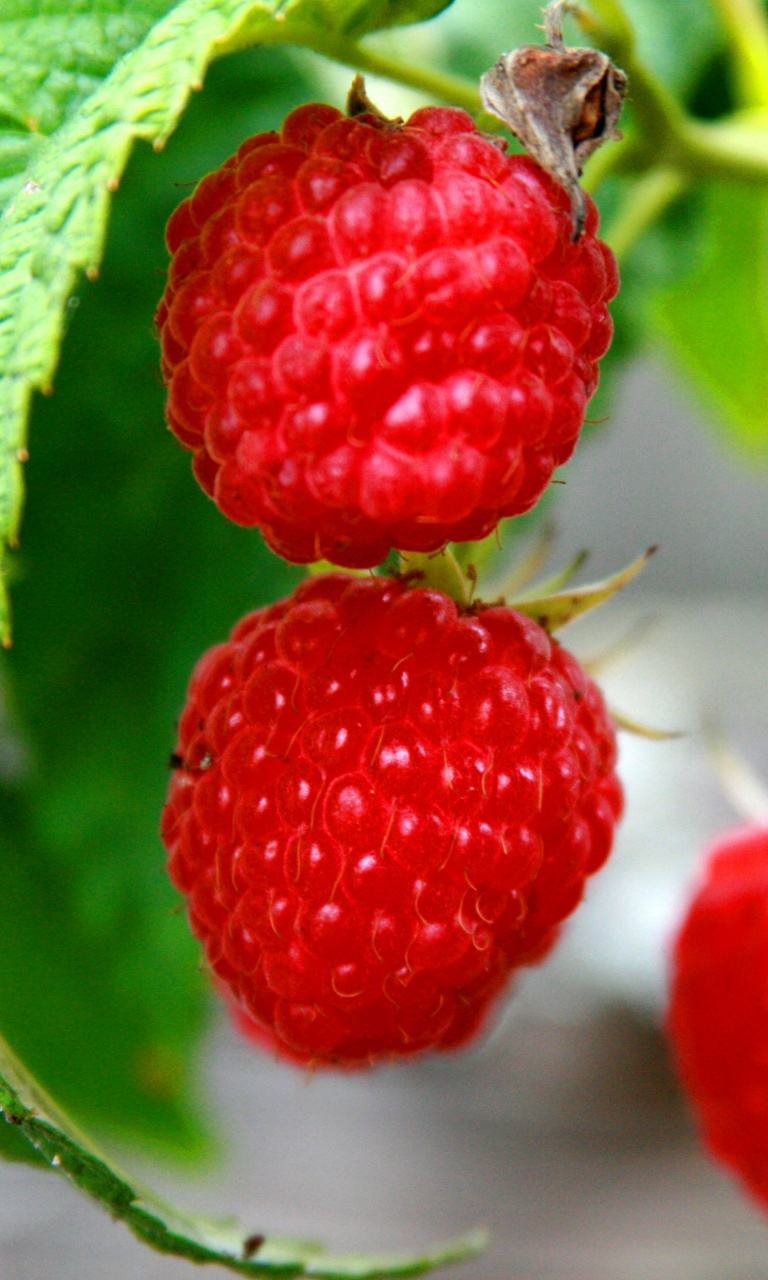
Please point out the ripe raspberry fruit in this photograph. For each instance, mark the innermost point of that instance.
(378, 334)
(385, 805)
(718, 1015)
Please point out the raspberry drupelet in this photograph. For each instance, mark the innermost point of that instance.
(378, 334)
(384, 804)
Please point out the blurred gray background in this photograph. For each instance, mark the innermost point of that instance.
(564, 1132)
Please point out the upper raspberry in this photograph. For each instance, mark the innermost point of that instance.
(379, 335)
(384, 806)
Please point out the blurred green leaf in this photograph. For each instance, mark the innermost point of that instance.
(675, 40)
(716, 319)
(356, 17)
(666, 253)
(127, 573)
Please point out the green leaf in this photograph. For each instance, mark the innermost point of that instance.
(63, 1148)
(665, 253)
(357, 17)
(716, 319)
(54, 224)
(51, 59)
(127, 573)
(54, 53)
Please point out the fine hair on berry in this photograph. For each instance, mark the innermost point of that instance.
(378, 334)
(386, 804)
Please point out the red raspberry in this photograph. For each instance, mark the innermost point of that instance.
(385, 805)
(718, 1016)
(379, 335)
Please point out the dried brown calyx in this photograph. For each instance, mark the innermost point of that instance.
(561, 103)
(359, 104)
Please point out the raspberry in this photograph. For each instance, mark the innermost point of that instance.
(383, 805)
(379, 335)
(718, 1015)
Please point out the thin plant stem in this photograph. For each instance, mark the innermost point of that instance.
(650, 196)
(746, 26)
(436, 84)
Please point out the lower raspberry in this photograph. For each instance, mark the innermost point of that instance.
(385, 806)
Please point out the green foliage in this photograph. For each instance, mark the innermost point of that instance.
(693, 263)
(675, 40)
(54, 224)
(716, 318)
(53, 54)
(126, 574)
(50, 1135)
(357, 17)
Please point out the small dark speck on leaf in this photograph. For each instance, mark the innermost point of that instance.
(251, 1245)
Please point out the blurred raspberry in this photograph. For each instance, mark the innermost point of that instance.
(718, 1015)
(379, 335)
(385, 804)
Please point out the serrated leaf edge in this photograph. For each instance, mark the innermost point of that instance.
(39, 271)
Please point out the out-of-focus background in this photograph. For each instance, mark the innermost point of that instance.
(565, 1130)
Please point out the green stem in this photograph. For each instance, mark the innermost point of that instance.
(23, 1104)
(439, 570)
(609, 18)
(627, 156)
(650, 196)
(746, 26)
(737, 148)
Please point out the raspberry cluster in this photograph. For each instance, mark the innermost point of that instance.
(381, 335)
(718, 1014)
(378, 334)
(384, 805)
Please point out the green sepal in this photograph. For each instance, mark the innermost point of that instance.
(555, 610)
